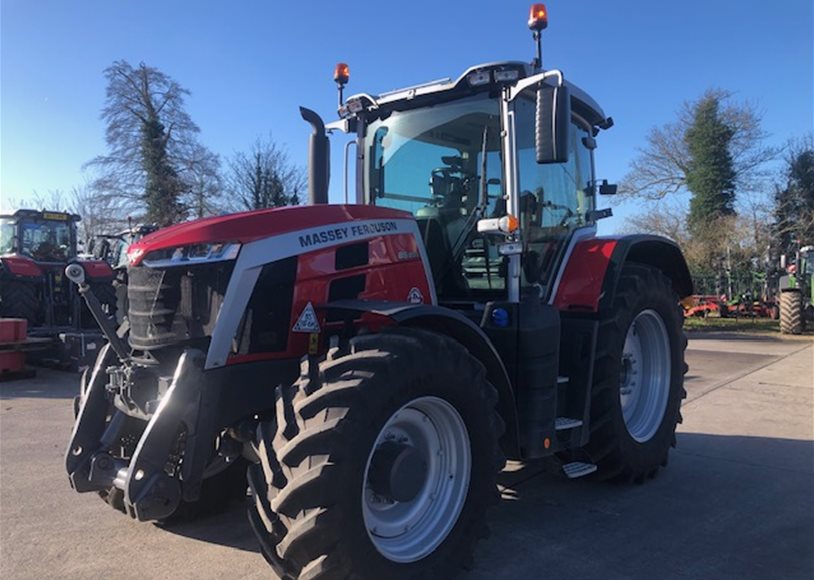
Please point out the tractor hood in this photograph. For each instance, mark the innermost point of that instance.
(250, 226)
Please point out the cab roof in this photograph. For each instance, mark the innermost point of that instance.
(417, 95)
(43, 215)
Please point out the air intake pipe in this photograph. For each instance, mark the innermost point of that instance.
(319, 169)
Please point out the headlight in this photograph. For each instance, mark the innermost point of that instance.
(188, 255)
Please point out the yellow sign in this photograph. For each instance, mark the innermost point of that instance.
(50, 215)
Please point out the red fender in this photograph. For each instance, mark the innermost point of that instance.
(581, 285)
(97, 269)
(589, 280)
(19, 266)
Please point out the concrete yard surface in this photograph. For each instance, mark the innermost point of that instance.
(736, 501)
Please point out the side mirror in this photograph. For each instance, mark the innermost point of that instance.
(606, 188)
(552, 124)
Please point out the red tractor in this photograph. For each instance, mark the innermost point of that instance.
(35, 247)
(373, 364)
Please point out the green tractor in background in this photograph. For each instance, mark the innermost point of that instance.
(797, 291)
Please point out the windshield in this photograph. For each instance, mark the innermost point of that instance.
(6, 235)
(46, 240)
(430, 162)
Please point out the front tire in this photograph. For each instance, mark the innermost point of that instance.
(379, 463)
(638, 377)
(791, 312)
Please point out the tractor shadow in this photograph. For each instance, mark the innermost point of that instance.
(746, 336)
(227, 528)
(46, 384)
(726, 507)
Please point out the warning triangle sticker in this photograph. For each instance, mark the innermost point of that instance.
(307, 322)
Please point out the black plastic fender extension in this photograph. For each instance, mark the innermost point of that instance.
(457, 326)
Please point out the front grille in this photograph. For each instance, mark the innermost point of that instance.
(174, 305)
(266, 322)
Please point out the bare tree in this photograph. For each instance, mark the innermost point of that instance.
(53, 200)
(150, 138)
(666, 218)
(726, 248)
(101, 214)
(794, 197)
(665, 162)
(206, 189)
(264, 177)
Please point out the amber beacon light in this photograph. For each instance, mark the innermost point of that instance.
(341, 73)
(538, 17)
(341, 76)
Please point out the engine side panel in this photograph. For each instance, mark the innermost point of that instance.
(329, 268)
(382, 268)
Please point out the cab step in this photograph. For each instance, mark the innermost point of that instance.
(563, 423)
(577, 469)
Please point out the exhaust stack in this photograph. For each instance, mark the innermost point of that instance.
(318, 158)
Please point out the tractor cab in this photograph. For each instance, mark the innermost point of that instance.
(112, 248)
(496, 166)
(42, 236)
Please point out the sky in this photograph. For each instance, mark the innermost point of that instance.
(249, 64)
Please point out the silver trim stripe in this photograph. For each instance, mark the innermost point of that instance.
(253, 256)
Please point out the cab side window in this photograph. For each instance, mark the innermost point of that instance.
(554, 198)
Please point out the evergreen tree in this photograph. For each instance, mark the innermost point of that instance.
(152, 162)
(665, 162)
(710, 172)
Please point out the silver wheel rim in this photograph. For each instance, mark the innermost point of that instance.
(408, 531)
(644, 382)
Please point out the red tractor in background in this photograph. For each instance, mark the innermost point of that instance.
(373, 364)
(35, 247)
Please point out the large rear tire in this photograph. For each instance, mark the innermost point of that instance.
(379, 462)
(791, 312)
(105, 292)
(19, 299)
(638, 381)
